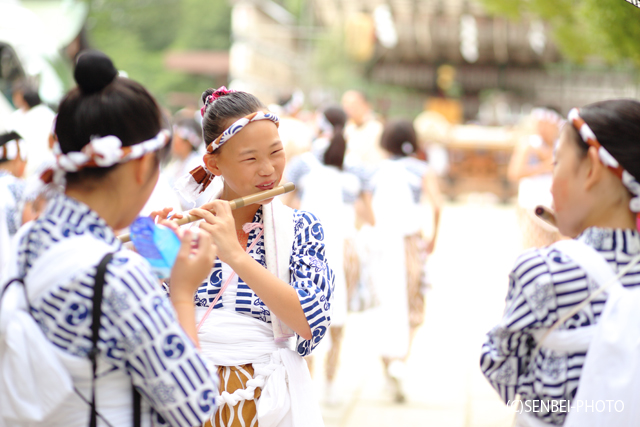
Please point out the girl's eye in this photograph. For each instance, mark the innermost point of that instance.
(277, 151)
(249, 159)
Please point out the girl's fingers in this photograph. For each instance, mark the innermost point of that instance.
(206, 227)
(161, 214)
(185, 245)
(204, 214)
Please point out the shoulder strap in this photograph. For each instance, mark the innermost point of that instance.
(95, 330)
(591, 262)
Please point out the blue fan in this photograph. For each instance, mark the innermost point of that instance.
(156, 243)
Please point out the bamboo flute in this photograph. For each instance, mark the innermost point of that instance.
(235, 204)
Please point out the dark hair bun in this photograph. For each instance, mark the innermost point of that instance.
(206, 94)
(94, 71)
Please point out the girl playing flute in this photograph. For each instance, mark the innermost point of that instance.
(271, 281)
(596, 196)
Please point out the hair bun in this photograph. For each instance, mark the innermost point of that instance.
(94, 71)
(206, 94)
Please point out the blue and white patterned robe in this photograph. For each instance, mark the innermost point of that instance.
(544, 285)
(311, 277)
(139, 330)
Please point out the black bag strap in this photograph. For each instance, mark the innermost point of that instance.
(95, 330)
(95, 337)
(137, 407)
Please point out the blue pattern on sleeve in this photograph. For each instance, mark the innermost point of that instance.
(312, 278)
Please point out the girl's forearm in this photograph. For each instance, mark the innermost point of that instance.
(281, 299)
(186, 314)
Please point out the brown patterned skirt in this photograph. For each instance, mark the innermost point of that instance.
(245, 413)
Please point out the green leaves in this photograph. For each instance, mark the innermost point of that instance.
(608, 29)
(137, 33)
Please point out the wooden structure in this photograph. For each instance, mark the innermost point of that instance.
(478, 161)
(512, 57)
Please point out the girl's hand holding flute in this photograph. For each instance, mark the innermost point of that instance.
(220, 224)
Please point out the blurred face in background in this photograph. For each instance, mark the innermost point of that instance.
(355, 106)
(180, 148)
(548, 131)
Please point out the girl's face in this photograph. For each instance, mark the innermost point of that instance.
(253, 160)
(570, 199)
(180, 148)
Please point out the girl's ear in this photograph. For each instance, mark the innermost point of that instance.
(144, 168)
(211, 163)
(596, 168)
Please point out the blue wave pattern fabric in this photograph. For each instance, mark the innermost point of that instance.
(139, 330)
(544, 285)
(311, 277)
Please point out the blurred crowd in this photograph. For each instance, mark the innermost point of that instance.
(369, 180)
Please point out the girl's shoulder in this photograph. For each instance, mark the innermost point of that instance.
(414, 166)
(304, 218)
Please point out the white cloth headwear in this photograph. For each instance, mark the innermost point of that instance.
(547, 115)
(189, 135)
(100, 152)
(606, 158)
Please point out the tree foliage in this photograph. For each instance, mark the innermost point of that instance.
(137, 33)
(583, 28)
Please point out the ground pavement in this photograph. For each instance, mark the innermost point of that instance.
(478, 244)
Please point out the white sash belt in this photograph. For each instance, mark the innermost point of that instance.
(231, 339)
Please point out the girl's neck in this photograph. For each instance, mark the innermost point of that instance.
(240, 215)
(619, 217)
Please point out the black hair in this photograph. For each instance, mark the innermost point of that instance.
(616, 124)
(104, 104)
(233, 105)
(399, 138)
(8, 137)
(334, 156)
(29, 91)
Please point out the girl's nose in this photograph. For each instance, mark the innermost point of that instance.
(266, 168)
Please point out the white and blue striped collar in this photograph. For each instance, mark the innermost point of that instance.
(612, 239)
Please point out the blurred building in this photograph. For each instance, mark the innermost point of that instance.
(264, 58)
(406, 42)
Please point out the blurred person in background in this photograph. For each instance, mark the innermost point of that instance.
(33, 120)
(531, 166)
(186, 152)
(399, 251)
(363, 130)
(295, 134)
(13, 160)
(327, 189)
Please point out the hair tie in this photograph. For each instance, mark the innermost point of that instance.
(220, 92)
(407, 148)
(587, 135)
